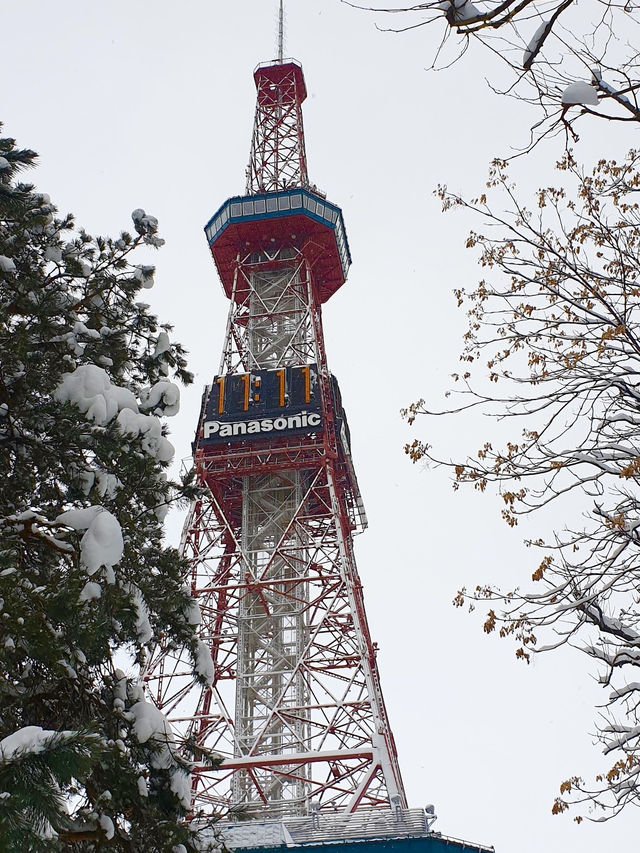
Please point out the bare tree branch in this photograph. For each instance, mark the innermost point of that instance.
(556, 58)
(555, 325)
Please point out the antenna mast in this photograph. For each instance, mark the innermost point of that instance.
(281, 33)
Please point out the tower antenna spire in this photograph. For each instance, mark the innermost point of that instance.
(281, 33)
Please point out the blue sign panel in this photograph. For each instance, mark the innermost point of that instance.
(262, 404)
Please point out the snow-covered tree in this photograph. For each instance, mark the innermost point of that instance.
(86, 583)
(553, 351)
(569, 60)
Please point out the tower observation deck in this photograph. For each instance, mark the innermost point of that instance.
(293, 702)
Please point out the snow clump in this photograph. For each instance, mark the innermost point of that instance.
(150, 428)
(192, 611)
(147, 226)
(106, 824)
(143, 625)
(120, 685)
(89, 388)
(144, 274)
(102, 544)
(162, 398)
(32, 739)
(79, 519)
(150, 724)
(90, 591)
(459, 10)
(53, 253)
(204, 664)
(143, 222)
(163, 344)
(106, 484)
(580, 93)
(181, 787)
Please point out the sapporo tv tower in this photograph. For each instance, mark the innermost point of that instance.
(294, 704)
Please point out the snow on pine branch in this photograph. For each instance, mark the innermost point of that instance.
(30, 739)
(147, 226)
(90, 389)
(102, 544)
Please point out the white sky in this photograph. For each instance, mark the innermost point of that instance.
(135, 104)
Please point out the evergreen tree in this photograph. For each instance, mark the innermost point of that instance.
(85, 581)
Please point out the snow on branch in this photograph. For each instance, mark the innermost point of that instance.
(563, 47)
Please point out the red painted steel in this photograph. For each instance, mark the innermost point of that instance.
(278, 158)
(316, 240)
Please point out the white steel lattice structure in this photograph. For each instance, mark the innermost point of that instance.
(295, 705)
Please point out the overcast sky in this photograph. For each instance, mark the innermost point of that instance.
(135, 104)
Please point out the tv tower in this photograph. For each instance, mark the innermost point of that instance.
(293, 702)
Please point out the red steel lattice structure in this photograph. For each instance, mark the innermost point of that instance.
(278, 159)
(293, 703)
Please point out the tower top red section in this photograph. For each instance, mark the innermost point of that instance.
(278, 159)
(276, 73)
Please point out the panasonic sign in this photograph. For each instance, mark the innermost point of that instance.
(217, 430)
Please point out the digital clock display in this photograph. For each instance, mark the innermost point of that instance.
(262, 404)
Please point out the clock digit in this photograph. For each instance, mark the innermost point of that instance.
(306, 372)
(246, 379)
(281, 375)
(220, 384)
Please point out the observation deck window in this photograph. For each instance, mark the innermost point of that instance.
(282, 202)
